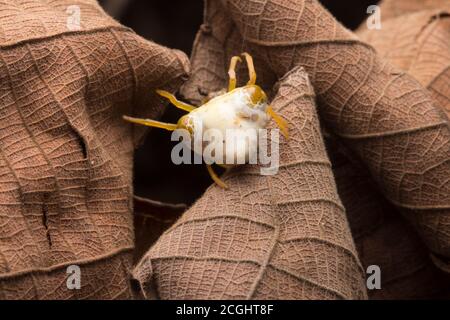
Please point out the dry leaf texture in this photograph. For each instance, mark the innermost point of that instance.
(151, 219)
(283, 236)
(385, 117)
(65, 152)
(382, 237)
(395, 8)
(419, 43)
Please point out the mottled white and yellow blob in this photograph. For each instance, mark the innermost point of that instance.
(238, 115)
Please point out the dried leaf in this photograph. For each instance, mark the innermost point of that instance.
(65, 152)
(382, 114)
(395, 8)
(418, 42)
(151, 219)
(382, 237)
(283, 236)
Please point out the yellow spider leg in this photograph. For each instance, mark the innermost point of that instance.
(232, 73)
(251, 69)
(214, 176)
(223, 166)
(281, 123)
(177, 103)
(151, 123)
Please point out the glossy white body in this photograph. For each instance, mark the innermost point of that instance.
(234, 110)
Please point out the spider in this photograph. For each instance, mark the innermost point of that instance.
(239, 108)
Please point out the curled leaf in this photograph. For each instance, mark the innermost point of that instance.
(395, 8)
(151, 219)
(282, 236)
(65, 152)
(385, 117)
(383, 238)
(418, 41)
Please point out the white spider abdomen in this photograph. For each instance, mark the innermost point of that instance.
(237, 118)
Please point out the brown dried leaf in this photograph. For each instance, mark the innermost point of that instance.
(382, 237)
(419, 43)
(268, 237)
(151, 219)
(65, 152)
(381, 113)
(395, 8)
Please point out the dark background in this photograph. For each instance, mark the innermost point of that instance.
(174, 23)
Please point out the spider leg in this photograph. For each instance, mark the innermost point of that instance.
(251, 69)
(281, 123)
(214, 176)
(232, 72)
(152, 123)
(177, 103)
(223, 166)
